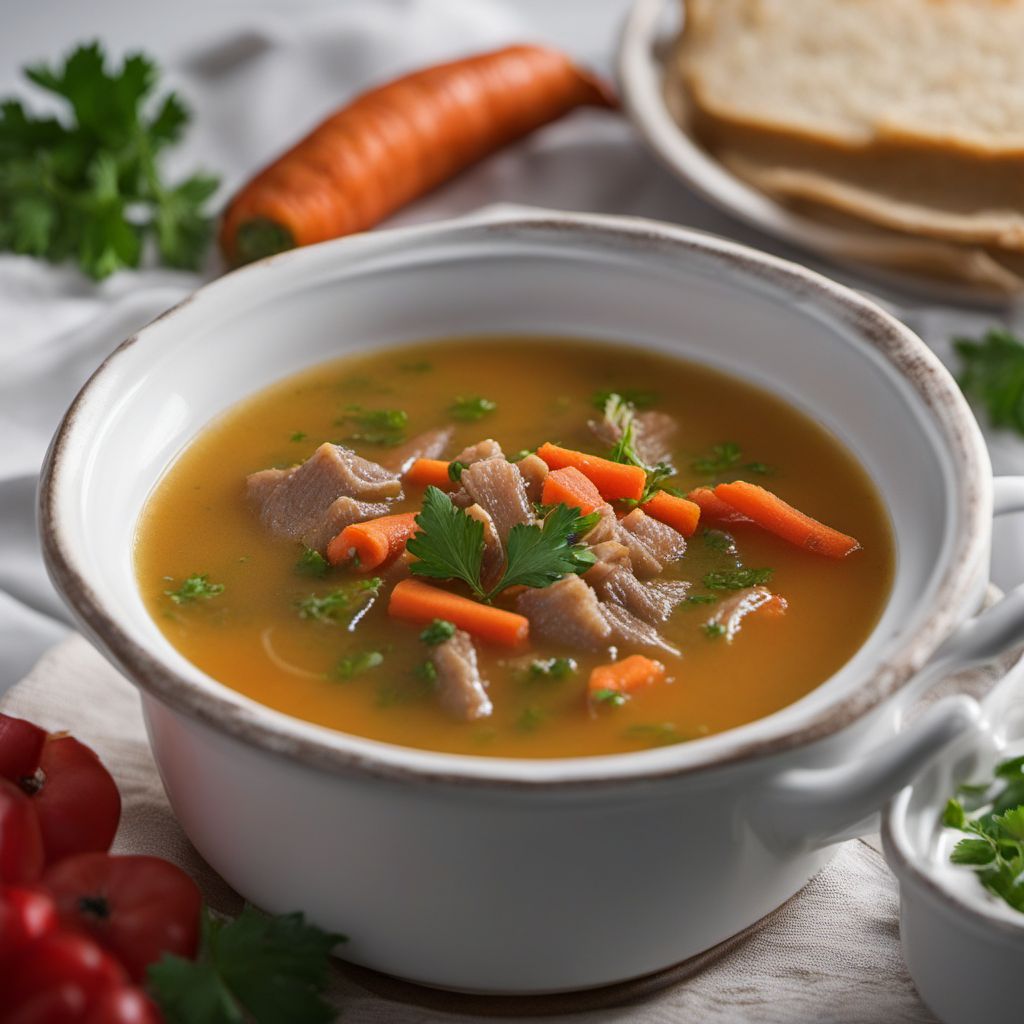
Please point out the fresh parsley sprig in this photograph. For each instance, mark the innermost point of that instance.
(450, 544)
(196, 587)
(87, 185)
(992, 371)
(269, 970)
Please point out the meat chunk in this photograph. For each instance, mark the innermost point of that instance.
(534, 471)
(428, 445)
(486, 449)
(605, 529)
(302, 503)
(566, 613)
(645, 562)
(663, 542)
(654, 433)
(610, 554)
(653, 602)
(626, 628)
(461, 690)
(733, 610)
(497, 487)
(494, 551)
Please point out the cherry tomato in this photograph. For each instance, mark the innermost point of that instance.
(57, 978)
(25, 915)
(21, 743)
(136, 907)
(21, 840)
(123, 1006)
(75, 798)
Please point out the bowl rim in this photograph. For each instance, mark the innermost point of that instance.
(256, 725)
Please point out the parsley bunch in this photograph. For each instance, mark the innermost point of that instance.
(992, 370)
(87, 186)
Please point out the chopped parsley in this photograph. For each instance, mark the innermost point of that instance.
(299, 435)
(530, 718)
(455, 469)
(438, 632)
(471, 408)
(612, 698)
(552, 668)
(618, 414)
(520, 455)
(427, 671)
(384, 427)
(450, 544)
(713, 630)
(694, 600)
(725, 457)
(995, 847)
(719, 540)
(258, 967)
(736, 579)
(312, 563)
(355, 664)
(196, 587)
(992, 371)
(636, 397)
(660, 734)
(342, 603)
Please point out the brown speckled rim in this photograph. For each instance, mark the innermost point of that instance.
(228, 712)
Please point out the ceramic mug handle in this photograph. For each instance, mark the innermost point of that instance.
(814, 807)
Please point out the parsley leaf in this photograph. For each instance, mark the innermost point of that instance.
(455, 469)
(449, 544)
(736, 579)
(613, 698)
(471, 408)
(270, 970)
(376, 426)
(552, 668)
(657, 735)
(312, 563)
(438, 632)
(698, 599)
(88, 186)
(992, 371)
(355, 664)
(713, 630)
(350, 598)
(195, 588)
(725, 457)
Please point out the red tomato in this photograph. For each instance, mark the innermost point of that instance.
(123, 1006)
(25, 915)
(21, 743)
(75, 797)
(57, 978)
(21, 840)
(137, 907)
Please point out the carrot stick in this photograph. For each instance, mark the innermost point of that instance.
(374, 541)
(773, 514)
(420, 602)
(612, 479)
(430, 473)
(570, 487)
(679, 513)
(713, 508)
(632, 673)
(394, 143)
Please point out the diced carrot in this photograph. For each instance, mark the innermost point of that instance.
(374, 541)
(416, 601)
(632, 673)
(771, 513)
(570, 487)
(430, 473)
(679, 513)
(612, 479)
(712, 507)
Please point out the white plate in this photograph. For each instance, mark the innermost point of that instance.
(649, 33)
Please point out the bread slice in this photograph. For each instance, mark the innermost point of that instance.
(852, 73)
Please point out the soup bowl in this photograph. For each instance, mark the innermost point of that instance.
(529, 876)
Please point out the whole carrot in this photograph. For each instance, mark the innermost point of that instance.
(398, 141)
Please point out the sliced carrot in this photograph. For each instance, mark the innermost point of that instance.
(712, 507)
(679, 513)
(416, 601)
(398, 141)
(632, 673)
(374, 541)
(430, 473)
(770, 512)
(612, 479)
(570, 487)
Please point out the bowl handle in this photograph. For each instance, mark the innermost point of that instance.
(814, 807)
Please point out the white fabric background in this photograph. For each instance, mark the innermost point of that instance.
(257, 73)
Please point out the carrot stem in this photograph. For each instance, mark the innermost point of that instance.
(415, 601)
(374, 541)
(612, 479)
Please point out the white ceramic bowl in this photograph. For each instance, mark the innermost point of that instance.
(499, 875)
(964, 948)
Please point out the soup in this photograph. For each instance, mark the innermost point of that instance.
(554, 601)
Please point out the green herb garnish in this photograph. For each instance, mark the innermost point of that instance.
(355, 664)
(260, 968)
(992, 371)
(736, 579)
(658, 735)
(299, 435)
(88, 186)
(341, 603)
(529, 719)
(312, 563)
(719, 540)
(437, 632)
(455, 469)
(552, 668)
(385, 427)
(613, 698)
(725, 457)
(196, 587)
(698, 599)
(713, 630)
(471, 408)
(449, 546)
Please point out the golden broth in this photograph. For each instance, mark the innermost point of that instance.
(251, 638)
